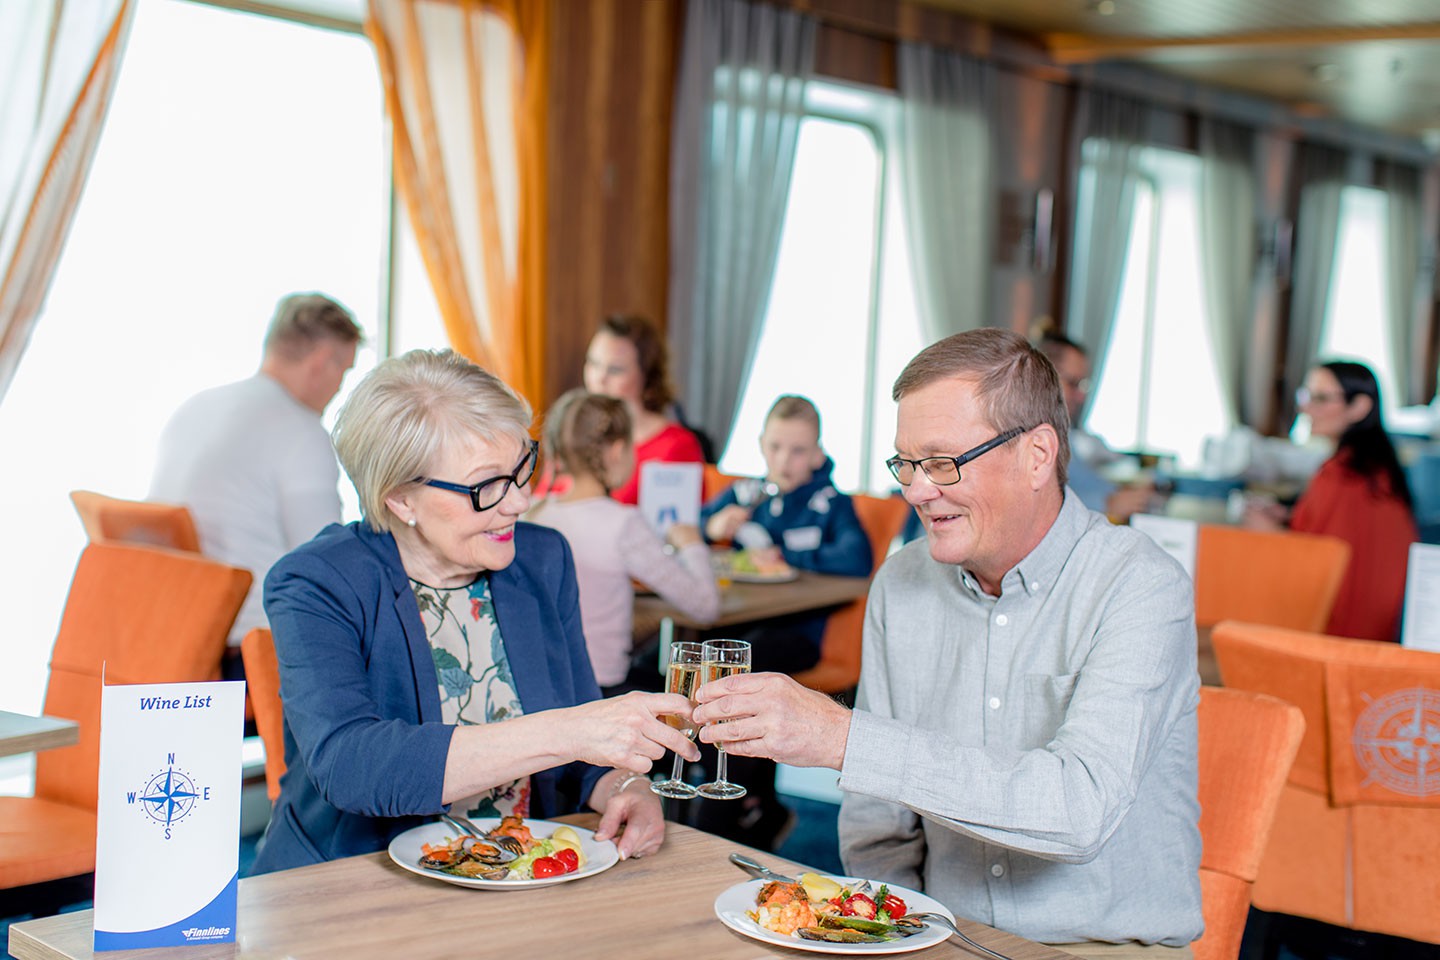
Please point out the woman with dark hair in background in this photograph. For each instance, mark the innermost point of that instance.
(627, 360)
(1359, 495)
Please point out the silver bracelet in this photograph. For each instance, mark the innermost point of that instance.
(627, 781)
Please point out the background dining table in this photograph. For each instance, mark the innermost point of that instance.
(742, 602)
(20, 733)
(368, 908)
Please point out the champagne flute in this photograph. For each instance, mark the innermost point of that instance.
(683, 676)
(724, 658)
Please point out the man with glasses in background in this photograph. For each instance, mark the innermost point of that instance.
(252, 460)
(1024, 743)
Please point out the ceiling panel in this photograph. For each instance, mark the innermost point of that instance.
(1372, 62)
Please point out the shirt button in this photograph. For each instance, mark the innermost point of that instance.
(996, 870)
(1035, 585)
(1002, 620)
(994, 703)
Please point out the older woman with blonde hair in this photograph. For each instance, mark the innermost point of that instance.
(431, 655)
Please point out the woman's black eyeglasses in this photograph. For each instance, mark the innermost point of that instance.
(943, 471)
(488, 493)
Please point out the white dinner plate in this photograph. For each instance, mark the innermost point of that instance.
(733, 906)
(783, 576)
(600, 855)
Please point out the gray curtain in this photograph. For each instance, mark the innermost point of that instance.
(1403, 240)
(1317, 231)
(948, 183)
(1227, 251)
(738, 108)
(1110, 132)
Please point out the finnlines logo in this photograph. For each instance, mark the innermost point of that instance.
(205, 933)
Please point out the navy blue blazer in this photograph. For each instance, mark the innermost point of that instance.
(365, 748)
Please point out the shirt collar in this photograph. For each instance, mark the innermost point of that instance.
(1037, 571)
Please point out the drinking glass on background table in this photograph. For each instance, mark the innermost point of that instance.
(683, 676)
(723, 658)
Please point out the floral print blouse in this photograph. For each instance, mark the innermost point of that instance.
(474, 676)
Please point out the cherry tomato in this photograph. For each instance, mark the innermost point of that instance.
(547, 867)
(894, 906)
(569, 859)
(860, 906)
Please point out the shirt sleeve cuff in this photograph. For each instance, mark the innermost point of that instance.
(877, 756)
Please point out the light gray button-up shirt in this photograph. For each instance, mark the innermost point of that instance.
(1030, 760)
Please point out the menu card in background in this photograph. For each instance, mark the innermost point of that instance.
(670, 494)
(1175, 536)
(1422, 599)
(167, 850)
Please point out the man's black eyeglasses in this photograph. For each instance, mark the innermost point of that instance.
(488, 493)
(944, 471)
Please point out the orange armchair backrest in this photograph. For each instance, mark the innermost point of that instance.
(1247, 743)
(147, 615)
(839, 666)
(1280, 579)
(134, 521)
(262, 676)
(713, 482)
(1358, 831)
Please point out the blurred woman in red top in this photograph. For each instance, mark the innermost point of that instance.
(627, 360)
(1359, 495)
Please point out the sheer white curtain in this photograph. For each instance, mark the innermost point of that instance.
(1227, 251)
(948, 186)
(738, 109)
(1110, 133)
(1403, 241)
(1317, 231)
(58, 63)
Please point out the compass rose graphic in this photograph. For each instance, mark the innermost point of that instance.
(1397, 742)
(169, 796)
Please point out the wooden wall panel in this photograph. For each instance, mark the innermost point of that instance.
(614, 80)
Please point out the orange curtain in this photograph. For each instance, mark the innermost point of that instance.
(60, 62)
(466, 89)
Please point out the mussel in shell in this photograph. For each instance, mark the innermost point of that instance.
(884, 930)
(838, 935)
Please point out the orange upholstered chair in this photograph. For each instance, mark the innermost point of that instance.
(713, 482)
(1279, 579)
(262, 677)
(838, 669)
(149, 615)
(1357, 835)
(1247, 744)
(135, 521)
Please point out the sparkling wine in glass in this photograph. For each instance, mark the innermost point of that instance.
(684, 676)
(723, 658)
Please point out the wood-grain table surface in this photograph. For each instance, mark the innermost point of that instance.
(25, 734)
(753, 602)
(367, 908)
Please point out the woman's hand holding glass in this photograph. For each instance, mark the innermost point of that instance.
(682, 677)
(629, 732)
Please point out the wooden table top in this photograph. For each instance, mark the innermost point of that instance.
(366, 907)
(750, 602)
(25, 734)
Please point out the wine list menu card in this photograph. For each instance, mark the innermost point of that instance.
(168, 839)
(1421, 628)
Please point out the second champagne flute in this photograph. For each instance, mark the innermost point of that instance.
(724, 658)
(683, 677)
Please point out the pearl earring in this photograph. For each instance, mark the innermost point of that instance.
(410, 522)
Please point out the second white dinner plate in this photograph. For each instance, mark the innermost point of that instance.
(734, 905)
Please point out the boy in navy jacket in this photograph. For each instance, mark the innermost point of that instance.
(796, 514)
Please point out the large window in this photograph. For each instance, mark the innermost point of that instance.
(244, 158)
(1158, 390)
(1357, 311)
(841, 321)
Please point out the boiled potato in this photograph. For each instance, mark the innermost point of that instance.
(818, 887)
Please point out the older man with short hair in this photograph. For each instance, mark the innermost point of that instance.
(1024, 743)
